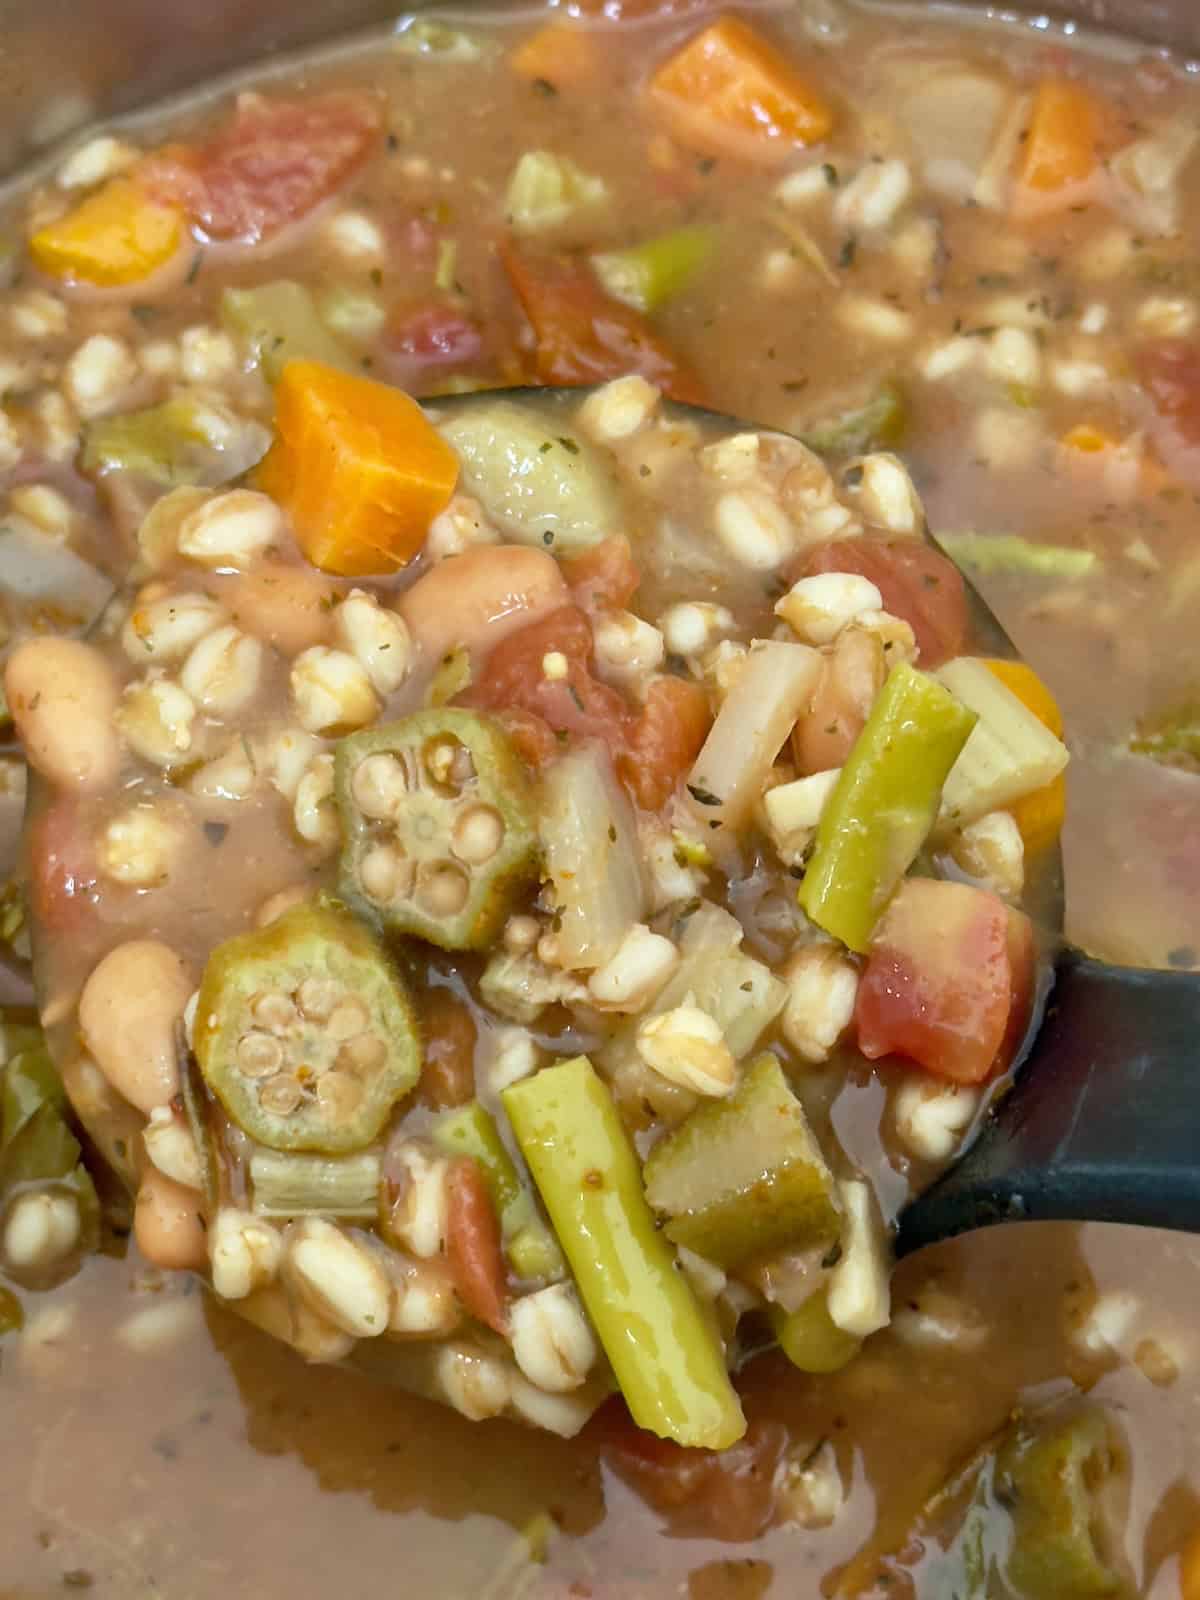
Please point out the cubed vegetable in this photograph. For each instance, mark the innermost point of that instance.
(547, 190)
(1040, 813)
(875, 423)
(745, 1176)
(1010, 754)
(189, 439)
(668, 1363)
(277, 323)
(647, 275)
(884, 805)
(948, 981)
(358, 468)
(1060, 149)
(117, 236)
(730, 91)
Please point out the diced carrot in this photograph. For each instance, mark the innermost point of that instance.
(357, 467)
(585, 336)
(1189, 1569)
(1088, 439)
(116, 236)
(1092, 449)
(558, 54)
(1060, 149)
(729, 91)
(1038, 815)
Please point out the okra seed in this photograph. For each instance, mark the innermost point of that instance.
(280, 1094)
(317, 997)
(259, 1055)
(339, 1094)
(348, 1019)
(379, 786)
(382, 874)
(442, 889)
(448, 762)
(273, 1010)
(363, 1054)
(478, 834)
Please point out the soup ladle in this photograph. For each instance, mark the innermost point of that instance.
(1101, 1119)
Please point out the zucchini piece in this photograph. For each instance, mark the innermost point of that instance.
(277, 323)
(1009, 754)
(745, 1176)
(547, 190)
(187, 440)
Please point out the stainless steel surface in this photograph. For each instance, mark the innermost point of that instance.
(64, 63)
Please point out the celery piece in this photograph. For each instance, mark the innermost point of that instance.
(884, 805)
(1009, 754)
(1171, 737)
(546, 190)
(647, 275)
(988, 553)
(1055, 1480)
(289, 1184)
(187, 440)
(744, 1176)
(811, 1339)
(668, 1365)
(531, 1248)
(877, 423)
(543, 484)
(590, 854)
(277, 323)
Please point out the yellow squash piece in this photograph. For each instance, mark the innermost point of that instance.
(118, 235)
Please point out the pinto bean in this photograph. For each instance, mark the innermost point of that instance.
(127, 1015)
(851, 676)
(286, 606)
(62, 696)
(168, 1225)
(448, 1071)
(473, 1245)
(476, 599)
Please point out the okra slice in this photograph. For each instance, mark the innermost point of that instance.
(745, 1176)
(305, 1033)
(437, 825)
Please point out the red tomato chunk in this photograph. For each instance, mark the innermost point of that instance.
(916, 583)
(429, 340)
(947, 981)
(270, 164)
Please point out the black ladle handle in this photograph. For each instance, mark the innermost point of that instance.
(1102, 1123)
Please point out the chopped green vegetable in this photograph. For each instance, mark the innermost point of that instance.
(529, 1244)
(1171, 737)
(811, 1339)
(647, 275)
(1008, 552)
(1055, 1479)
(290, 1185)
(666, 1360)
(437, 825)
(418, 36)
(1009, 754)
(305, 1033)
(277, 323)
(744, 1176)
(546, 190)
(589, 838)
(878, 423)
(541, 486)
(187, 440)
(884, 805)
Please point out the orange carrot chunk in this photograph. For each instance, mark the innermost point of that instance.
(1060, 148)
(729, 91)
(357, 467)
(558, 54)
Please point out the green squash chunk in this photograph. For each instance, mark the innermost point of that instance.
(186, 440)
(279, 322)
(438, 828)
(305, 1033)
(744, 1176)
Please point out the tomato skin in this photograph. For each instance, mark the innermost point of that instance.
(1169, 370)
(473, 1248)
(947, 981)
(917, 583)
(269, 165)
(583, 336)
(429, 339)
(448, 1068)
(605, 577)
(665, 740)
(716, 1494)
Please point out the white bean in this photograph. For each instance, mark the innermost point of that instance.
(127, 1014)
(63, 698)
(168, 1224)
(41, 1230)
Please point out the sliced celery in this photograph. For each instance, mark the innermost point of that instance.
(1009, 754)
(647, 275)
(988, 553)
(876, 423)
(884, 805)
(289, 1184)
(744, 1176)
(277, 323)
(546, 190)
(1171, 737)
(191, 439)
